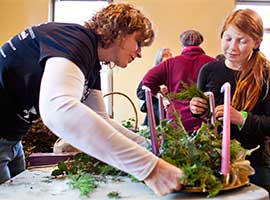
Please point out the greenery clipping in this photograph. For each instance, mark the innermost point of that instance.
(114, 195)
(84, 182)
(85, 172)
(130, 123)
(187, 92)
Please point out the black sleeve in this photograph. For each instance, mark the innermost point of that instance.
(257, 124)
(140, 92)
(70, 41)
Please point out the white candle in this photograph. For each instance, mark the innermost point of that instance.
(212, 106)
(161, 107)
(161, 114)
(151, 119)
(225, 159)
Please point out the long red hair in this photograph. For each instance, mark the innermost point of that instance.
(256, 73)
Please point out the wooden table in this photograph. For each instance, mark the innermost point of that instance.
(36, 183)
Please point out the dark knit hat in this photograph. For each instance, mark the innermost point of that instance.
(191, 38)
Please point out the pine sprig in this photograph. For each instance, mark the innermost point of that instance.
(114, 195)
(187, 92)
(85, 172)
(86, 183)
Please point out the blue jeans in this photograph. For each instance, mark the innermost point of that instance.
(12, 160)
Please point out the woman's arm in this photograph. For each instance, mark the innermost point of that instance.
(96, 103)
(61, 110)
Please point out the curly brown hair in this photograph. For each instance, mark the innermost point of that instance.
(118, 20)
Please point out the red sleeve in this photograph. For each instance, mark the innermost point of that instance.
(155, 77)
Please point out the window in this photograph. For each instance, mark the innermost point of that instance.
(79, 11)
(76, 11)
(263, 8)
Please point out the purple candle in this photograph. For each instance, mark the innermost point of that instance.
(151, 120)
(225, 157)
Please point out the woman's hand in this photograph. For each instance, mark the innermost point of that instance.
(236, 116)
(198, 105)
(164, 179)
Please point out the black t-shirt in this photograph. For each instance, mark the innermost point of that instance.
(22, 62)
(213, 75)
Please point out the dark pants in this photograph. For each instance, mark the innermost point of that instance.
(12, 160)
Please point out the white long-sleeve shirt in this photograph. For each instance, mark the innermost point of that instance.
(87, 126)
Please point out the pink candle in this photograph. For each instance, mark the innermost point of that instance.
(225, 157)
(151, 120)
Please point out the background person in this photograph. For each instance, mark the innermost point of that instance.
(182, 68)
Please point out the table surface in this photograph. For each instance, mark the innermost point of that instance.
(36, 183)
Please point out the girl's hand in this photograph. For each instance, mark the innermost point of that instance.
(236, 116)
(198, 105)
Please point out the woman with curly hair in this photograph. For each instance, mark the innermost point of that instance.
(248, 72)
(52, 71)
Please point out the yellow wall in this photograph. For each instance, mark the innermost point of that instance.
(16, 15)
(169, 18)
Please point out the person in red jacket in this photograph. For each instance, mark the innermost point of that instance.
(182, 68)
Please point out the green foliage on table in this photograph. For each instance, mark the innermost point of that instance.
(85, 172)
(85, 182)
(85, 163)
(114, 195)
